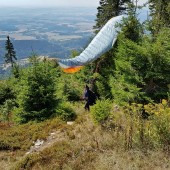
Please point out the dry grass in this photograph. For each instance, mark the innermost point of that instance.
(132, 160)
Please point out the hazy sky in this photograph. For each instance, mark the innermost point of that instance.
(47, 3)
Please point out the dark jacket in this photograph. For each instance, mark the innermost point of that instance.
(90, 97)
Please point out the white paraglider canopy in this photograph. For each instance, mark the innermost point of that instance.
(101, 43)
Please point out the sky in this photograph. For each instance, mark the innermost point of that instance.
(52, 3)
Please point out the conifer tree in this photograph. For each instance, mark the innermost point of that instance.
(10, 55)
(106, 10)
(142, 69)
(131, 26)
(36, 97)
(160, 13)
(109, 9)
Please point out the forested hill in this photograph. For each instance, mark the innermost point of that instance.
(43, 121)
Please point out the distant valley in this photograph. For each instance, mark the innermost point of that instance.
(46, 31)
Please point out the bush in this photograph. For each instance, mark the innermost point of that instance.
(6, 109)
(65, 112)
(161, 122)
(69, 88)
(147, 132)
(101, 111)
(6, 91)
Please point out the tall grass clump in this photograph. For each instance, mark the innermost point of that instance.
(161, 122)
(141, 131)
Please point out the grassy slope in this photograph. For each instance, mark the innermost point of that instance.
(83, 146)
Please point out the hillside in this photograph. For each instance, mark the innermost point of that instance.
(81, 145)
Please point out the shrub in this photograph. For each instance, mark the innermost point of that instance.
(69, 88)
(65, 112)
(161, 122)
(150, 132)
(6, 91)
(6, 109)
(101, 111)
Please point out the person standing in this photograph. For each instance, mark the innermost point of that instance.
(90, 98)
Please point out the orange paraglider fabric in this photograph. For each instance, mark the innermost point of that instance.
(72, 69)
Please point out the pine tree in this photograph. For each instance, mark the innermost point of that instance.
(131, 26)
(106, 10)
(142, 70)
(160, 13)
(109, 9)
(10, 55)
(36, 91)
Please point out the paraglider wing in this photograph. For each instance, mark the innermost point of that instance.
(101, 43)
